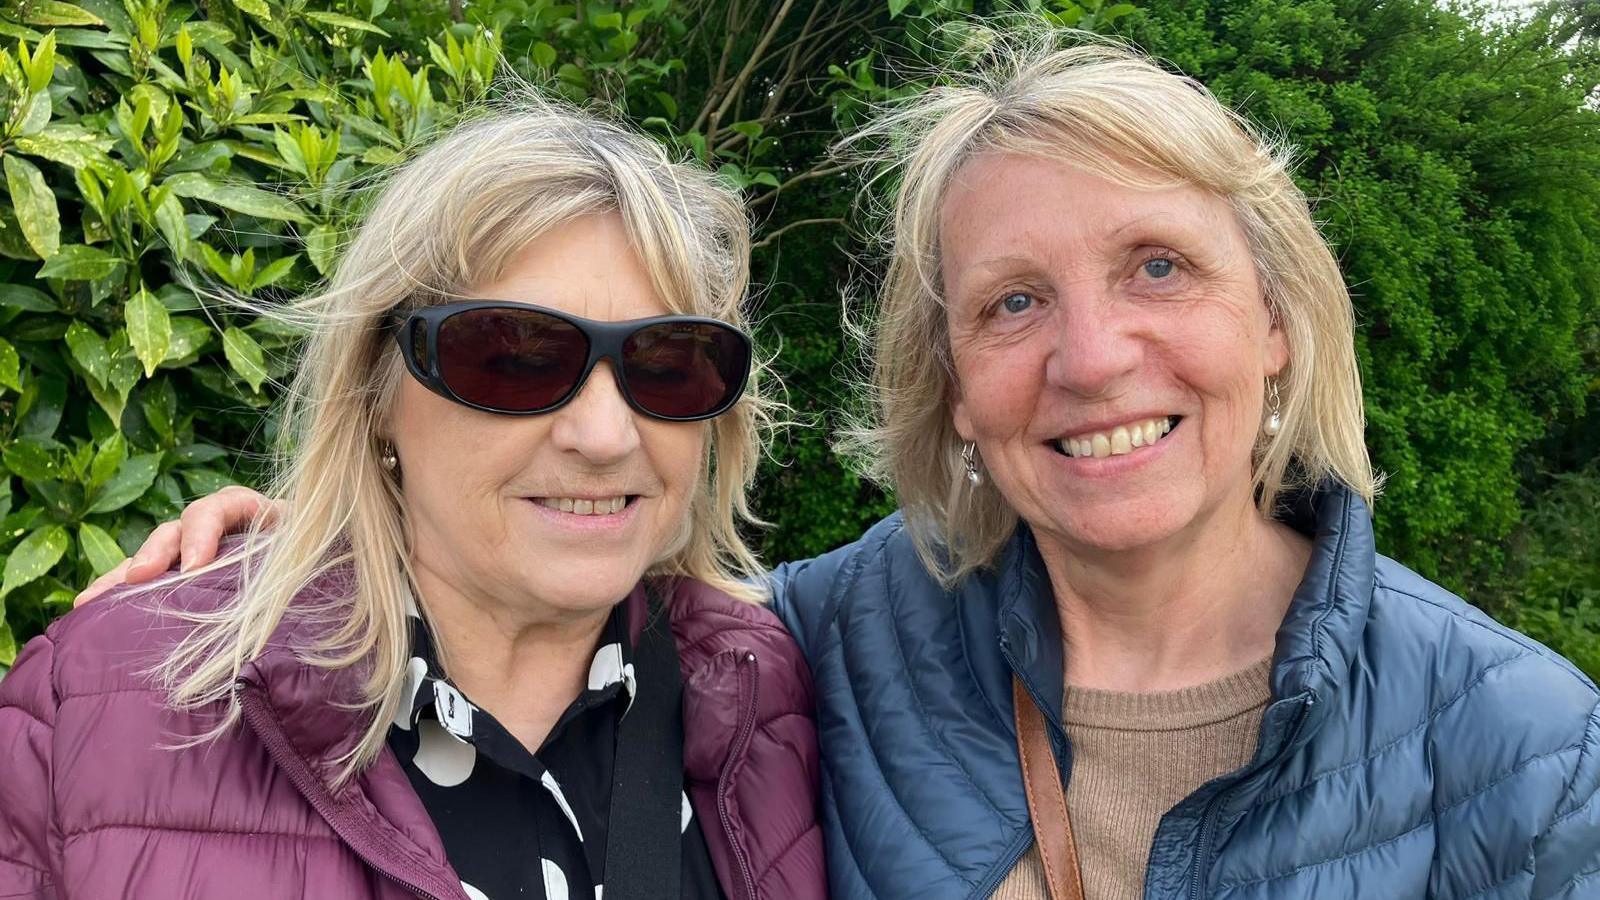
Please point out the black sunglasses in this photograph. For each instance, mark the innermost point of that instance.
(521, 360)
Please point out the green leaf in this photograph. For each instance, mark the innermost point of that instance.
(668, 103)
(43, 65)
(35, 206)
(54, 12)
(70, 145)
(89, 349)
(543, 55)
(896, 7)
(91, 39)
(274, 272)
(10, 366)
(257, 8)
(245, 356)
(76, 262)
(21, 33)
(149, 330)
(199, 454)
(188, 336)
(339, 21)
(100, 549)
(33, 459)
(44, 399)
(36, 555)
(108, 459)
(382, 156)
(200, 157)
(243, 198)
(35, 116)
(321, 246)
(204, 481)
(8, 641)
(29, 299)
(174, 227)
(133, 478)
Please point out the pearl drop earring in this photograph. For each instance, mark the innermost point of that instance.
(1275, 409)
(967, 453)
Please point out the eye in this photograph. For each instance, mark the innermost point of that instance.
(1017, 302)
(1160, 267)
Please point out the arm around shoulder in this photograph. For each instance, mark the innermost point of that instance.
(27, 733)
(1567, 855)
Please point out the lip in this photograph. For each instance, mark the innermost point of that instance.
(586, 525)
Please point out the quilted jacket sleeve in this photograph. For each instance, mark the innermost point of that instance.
(1567, 856)
(27, 728)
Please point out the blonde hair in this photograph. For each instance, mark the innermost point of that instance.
(1106, 108)
(451, 218)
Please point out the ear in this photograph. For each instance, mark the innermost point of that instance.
(959, 413)
(1276, 350)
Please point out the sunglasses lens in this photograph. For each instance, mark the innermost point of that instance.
(682, 370)
(513, 360)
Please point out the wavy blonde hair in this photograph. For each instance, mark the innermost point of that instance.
(1106, 108)
(451, 218)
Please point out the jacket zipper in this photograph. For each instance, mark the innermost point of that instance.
(1208, 821)
(266, 729)
(747, 727)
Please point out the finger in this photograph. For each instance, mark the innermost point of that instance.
(156, 555)
(102, 584)
(209, 518)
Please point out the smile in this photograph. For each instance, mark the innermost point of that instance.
(1119, 441)
(584, 506)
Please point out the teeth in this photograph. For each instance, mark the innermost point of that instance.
(581, 507)
(1120, 441)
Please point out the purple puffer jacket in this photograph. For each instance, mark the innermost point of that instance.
(95, 804)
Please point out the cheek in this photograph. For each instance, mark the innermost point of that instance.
(429, 433)
(674, 452)
(998, 388)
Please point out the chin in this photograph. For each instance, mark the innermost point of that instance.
(583, 585)
(1112, 529)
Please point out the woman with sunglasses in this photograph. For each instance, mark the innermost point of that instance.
(500, 642)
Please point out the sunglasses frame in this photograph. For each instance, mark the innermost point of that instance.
(605, 339)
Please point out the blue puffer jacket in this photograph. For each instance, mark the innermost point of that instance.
(1413, 748)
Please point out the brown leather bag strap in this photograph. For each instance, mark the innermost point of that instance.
(1047, 801)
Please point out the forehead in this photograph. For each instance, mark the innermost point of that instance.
(586, 266)
(1001, 204)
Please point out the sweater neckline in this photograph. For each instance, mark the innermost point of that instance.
(1230, 696)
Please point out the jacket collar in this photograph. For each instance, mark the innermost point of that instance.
(1317, 643)
(318, 709)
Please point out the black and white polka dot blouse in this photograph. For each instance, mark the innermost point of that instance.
(521, 824)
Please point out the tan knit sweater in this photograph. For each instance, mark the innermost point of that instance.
(1134, 757)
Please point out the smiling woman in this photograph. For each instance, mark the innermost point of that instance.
(499, 641)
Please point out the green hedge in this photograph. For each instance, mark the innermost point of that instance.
(1455, 164)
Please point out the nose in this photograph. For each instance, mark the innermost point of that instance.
(1096, 346)
(597, 424)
